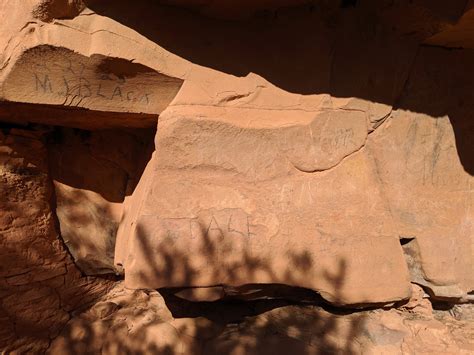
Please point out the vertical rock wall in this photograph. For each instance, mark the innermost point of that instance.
(93, 173)
(40, 286)
(319, 147)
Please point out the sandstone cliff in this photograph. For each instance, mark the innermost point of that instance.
(235, 150)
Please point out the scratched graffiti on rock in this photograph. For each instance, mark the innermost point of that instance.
(341, 138)
(58, 76)
(224, 223)
(69, 79)
(219, 232)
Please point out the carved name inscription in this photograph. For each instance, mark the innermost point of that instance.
(227, 228)
(326, 141)
(58, 76)
(79, 87)
(217, 224)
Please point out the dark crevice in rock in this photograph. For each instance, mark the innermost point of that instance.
(412, 256)
(268, 296)
(53, 204)
(227, 311)
(74, 117)
(406, 240)
(437, 293)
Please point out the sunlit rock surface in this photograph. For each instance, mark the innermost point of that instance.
(232, 148)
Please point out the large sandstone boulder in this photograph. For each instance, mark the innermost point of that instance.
(258, 185)
(328, 152)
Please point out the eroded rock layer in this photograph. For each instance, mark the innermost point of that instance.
(138, 321)
(325, 146)
(40, 287)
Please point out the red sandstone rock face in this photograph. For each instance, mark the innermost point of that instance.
(57, 76)
(293, 183)
(314, 188)
(138, 321)
(93, 173)
(323, 147)
(39, 284)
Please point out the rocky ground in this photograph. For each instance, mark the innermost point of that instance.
(132, 322)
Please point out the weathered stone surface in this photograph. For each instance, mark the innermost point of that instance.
(240, 218)
(321, 147)
(93, 172)
(277, 184)
(242, 157)
(17, 113)
(243, 192)
(426, 167)
(48, 10)
(58, 76)
(135, 321)
(39, 284)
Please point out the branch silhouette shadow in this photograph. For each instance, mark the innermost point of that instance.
(249, 319)
(268, 319)
(40, 286)
(93, 172)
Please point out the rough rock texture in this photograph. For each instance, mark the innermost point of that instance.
(324, 146)
(136, 321)
(290, 167)
(48, 10)
(58, 76)
(40, 286)
(315, 180)
(93, 172)
(459, 34)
